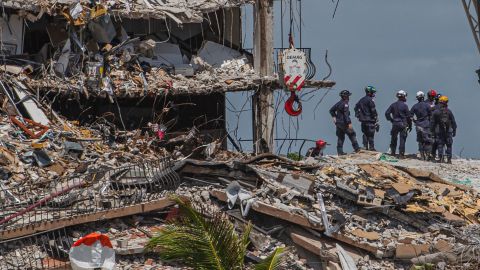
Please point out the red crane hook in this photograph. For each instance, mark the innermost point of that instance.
(289, 105)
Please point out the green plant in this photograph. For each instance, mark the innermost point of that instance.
(273, 261)
(202, 239)
(294, 156)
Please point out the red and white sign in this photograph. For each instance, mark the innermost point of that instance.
(295, 69)
(91, 252)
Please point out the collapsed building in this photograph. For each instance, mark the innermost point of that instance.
(109, 107)
(131, 58)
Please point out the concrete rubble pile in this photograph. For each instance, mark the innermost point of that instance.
(90, 52)
(362, 211)
(384, 216)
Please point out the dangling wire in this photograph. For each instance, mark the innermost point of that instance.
(281, 22)
(335, 11)
(290, 33)
(300, 19)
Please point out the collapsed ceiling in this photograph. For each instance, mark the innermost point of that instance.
(181, 11)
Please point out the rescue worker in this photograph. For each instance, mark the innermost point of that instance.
(421, 114)
(340, 113)
(366, 113)
(445, 126)
(317, 151)
(433, 97)
(399, 114)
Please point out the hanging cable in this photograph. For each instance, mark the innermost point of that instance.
(281, 23)
(329, 66)
(290, 33)
(300, 19)
(335, 11)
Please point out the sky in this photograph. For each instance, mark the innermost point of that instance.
(406, 45)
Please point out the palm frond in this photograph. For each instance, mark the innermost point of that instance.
(273, 261)
(201, 238)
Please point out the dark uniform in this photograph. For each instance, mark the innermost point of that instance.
(341, 112)
(445, 128)
(314, 152)
(366, 113)
(422, 113)
(433, 107)
(399, 115)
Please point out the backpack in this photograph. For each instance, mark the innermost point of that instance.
(445, 119)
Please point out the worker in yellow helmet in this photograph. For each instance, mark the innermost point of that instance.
(445, 129)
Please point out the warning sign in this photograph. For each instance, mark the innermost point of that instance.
(295, 69)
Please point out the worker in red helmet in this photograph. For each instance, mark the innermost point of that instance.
(431, 95)
(317, 151)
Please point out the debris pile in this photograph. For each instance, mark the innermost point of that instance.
(102, 50)
(181, 11)
(356, 210)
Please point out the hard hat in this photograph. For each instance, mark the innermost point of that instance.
(320, 144)
(370, 89)
(401, 94)
(432, 93)
(345, 93)
(420, 94)
(443, 99)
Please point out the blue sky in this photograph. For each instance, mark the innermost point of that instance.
(392, 45)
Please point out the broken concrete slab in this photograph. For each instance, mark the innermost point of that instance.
(410, 251)
(367, 235)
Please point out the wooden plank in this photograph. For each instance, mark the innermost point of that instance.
(86, 218)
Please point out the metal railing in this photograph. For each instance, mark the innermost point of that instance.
(44, 201)
(290, 145)
(47, 250)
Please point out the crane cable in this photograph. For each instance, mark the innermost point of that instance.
(293, 99)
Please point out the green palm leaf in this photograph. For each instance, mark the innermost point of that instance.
(202, 239)
(273, 261)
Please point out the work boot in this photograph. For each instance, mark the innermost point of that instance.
(401, 156)
(423, 156)
(358, 150)
(440, 159)
(449, 160)
(340, 152)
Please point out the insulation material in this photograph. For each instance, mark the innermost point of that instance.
(165, 54)
(216, 54)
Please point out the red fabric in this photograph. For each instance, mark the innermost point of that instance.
(90, 239)
(161, 134)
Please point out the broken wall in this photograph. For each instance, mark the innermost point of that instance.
(11, 27)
